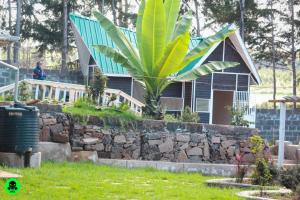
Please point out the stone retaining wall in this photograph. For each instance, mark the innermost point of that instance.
(267, 122)
(148, 139)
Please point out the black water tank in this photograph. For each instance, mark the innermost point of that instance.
(19, 129)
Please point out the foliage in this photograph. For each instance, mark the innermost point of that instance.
(85, 107)
(237, 116)
(24, 91)
(162, 45)
(111, 99)
(124, 106)
(262, 175)
(256, 145)
(170, 118)
(83, 180)
(290, 178)
(97, 85)
(189, 116)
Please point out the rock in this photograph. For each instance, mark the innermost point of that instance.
(206, 151)
(85, 156)
(54, 151)
(228, 143)
(106, 139)
(184, 146)
(216, 140)
(154, 142)
(230, 151)
(196, 151)
(49, 121)
(136, 154)
(45, 134)
(248, 158)
(57, 128)
(245, 150)
(60, 138)
(120, 139)
(167, 146)
(90, 147)
(196, 138)
(99, 147)
(90, 140)
(182, 157)
(182, 138)
(153, 136)
(77, 149)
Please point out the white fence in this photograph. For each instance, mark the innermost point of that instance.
(69, 93)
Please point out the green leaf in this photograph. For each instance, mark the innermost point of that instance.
(174, 55)
(205, 69)
(207, 43)
(183, 25)
(172, 8)
(139, 29)
(119, 58)
(118, 38)
(153, 33)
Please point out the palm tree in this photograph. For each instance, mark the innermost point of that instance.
(162, 49)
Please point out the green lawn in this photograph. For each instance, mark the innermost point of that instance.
(89, 181)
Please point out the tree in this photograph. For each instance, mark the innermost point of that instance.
(18, 31)
(10, 31)
(64, 52)
(162, 49)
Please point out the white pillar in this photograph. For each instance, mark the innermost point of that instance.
(57, 91)
(281, 135)
(36, 96)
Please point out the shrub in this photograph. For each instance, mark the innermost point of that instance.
(189, 116)
(123, 106)
(262, 175)
(237, 116)
(24, 91)
(97, 85)
(170, 118)
(256, 145)
(290, 178)
(111, 99)
(82, 103)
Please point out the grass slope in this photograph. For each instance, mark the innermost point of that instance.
(89, 181)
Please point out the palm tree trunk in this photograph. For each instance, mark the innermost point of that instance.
(153, 106)
(18, 30)
(64, 51)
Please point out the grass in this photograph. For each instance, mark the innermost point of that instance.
(89, 181)
(83, 108)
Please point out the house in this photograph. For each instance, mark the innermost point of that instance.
(208, 95)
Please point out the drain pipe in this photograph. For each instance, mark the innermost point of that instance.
(16, 93)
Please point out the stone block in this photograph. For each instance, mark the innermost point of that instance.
(90, 141)
(99, 147)
(57, 128)
(183, 137)
(85, 156)
(154, 142)
(182, 157)
(228, 143)
(49, 121)
(166, 147)
(45, 134)
(120, 139)
(15, 160)
(60, 138)
(54, 151)
(196, 151)
(216, 140)
(170, 166)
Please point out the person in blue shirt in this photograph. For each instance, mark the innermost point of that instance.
(38, 72)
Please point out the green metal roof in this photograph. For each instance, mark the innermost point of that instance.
(92, 33)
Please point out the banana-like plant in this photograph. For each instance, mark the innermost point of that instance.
(162, 50)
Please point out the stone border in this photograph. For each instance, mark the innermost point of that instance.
(230, 182)
(227, 170)
(248, 195)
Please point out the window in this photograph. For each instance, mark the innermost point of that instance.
(202, 105)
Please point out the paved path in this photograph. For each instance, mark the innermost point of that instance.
(4, 175)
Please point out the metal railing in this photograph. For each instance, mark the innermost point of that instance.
(243, 100)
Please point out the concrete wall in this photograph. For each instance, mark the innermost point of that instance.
(148, 139)
(267, 122)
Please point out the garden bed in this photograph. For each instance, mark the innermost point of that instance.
(282, 194)
(231, 182)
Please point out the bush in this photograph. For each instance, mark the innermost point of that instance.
(262, 175)
(97, 85)
(189, 116)
(237, 116)
(290, 178)
(82, 103)
(24, 91)
(256, 145)
(170, 118)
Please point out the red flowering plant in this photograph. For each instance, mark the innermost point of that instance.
(241, 170)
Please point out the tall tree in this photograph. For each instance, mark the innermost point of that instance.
(18, 31)
(64, 52)
(242, 22)
(196, 4)
(10, 31)
(270, 4)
